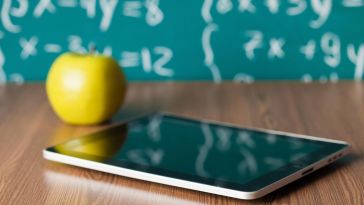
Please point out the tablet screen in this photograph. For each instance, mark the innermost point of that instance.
(199, 151)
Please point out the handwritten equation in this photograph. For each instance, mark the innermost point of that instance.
(322, 9)
(327, 44)
(239, 40)
(148, 9)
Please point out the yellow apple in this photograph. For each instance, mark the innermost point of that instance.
(85, 89)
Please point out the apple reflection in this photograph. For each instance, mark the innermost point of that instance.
(105, 144)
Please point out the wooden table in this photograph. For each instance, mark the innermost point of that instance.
(27, 125)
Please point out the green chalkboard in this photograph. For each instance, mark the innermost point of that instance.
(241, 40)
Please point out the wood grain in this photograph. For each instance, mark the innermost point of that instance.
(27, 125)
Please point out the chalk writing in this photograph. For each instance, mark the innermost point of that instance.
(144, 58)
(239, 40)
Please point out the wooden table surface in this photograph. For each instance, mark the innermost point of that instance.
(28, 124)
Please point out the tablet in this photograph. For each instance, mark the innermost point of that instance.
(200, 155)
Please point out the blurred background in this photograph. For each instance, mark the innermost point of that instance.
(210, 40)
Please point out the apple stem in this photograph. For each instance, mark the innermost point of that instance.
(92, 49)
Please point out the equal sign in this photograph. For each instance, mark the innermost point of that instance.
(132, 8)
(353, 3)
(67, 3)
(52, 48)
(129, 59)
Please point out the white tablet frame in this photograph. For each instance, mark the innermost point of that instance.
(57, 157)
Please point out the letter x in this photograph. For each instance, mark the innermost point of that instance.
(246, 5)
(28, 47)
(42, 6)
(276, 48)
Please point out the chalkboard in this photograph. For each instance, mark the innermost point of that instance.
(240, 40)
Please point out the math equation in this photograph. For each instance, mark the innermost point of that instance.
(239, 40)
